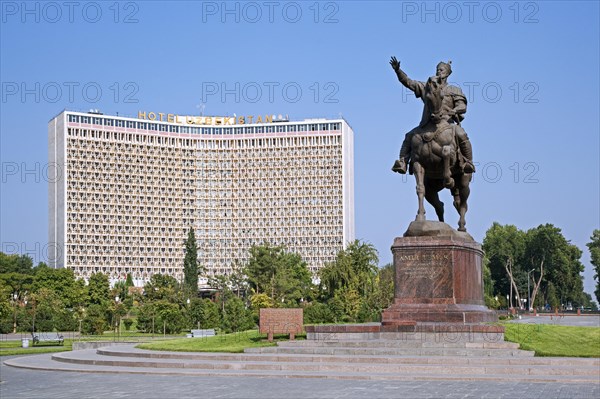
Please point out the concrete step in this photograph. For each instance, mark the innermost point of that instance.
(392, 351)
(445, 360)
(324, 366)
(423, 336)
(397, 344)
(44, 362)
(128, 359)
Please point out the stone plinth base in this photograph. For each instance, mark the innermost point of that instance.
(438, 292)
(438, 279)
(437, 313)
(406, 331)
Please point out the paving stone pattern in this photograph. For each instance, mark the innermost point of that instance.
(21, 383)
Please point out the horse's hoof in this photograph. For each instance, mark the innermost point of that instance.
(420, 218)
(449, 183)
(462, 229)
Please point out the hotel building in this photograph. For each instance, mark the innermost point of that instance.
(130, 189)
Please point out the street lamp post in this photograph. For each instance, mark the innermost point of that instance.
(33, 303)
(118, 321)
(188, 310)
(14, 302)
(25, 303)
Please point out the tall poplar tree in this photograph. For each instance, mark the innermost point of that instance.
(594, 247)
(190, 263)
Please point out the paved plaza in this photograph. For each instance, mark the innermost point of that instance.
(30, 383)
(21, 383)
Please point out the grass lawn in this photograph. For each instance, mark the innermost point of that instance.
(13, 347)
(9, 348)
(232, 343)
(553, 340)
(545, 340)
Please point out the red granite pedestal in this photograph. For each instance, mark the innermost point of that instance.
(438, 282)
(438, 289)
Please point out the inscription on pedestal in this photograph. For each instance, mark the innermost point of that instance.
(438, 280)
(423, 273)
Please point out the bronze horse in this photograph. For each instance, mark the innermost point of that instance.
(435, 159)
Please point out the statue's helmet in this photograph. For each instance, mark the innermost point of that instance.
(447, 66)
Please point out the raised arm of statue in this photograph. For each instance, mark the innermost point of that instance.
(413, 85)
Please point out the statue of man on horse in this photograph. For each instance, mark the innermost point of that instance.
(437, 151)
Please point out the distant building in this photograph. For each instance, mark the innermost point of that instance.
(132, 187)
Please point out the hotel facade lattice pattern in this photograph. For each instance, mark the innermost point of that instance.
(131, 188)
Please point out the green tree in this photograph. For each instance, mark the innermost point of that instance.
(237, 280)
(317, 312)
(236, 317)
(161, 316)
(61, 281)
(488, 286)
(53, 294)
(162, 287)
(190, 264)
(49, 312)
(95, 320)
(551, 297)
(260, 301)
(120, 290)
(194, 312)
(97, 314)
(14, 263)
(504, 247)
(282, 275)
(350, 285)
(98, 290)
(211, 317)
(14, 292)
(588, 302)
(355, 267)
(222, 286)
(6, 315)
(129, 281)
(11, 283)
(383, 294)
(561, 262)
(594, 247)
(543, 254)
(170, 316)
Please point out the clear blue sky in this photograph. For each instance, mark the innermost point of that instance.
(530, 71)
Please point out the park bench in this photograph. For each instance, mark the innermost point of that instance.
(47, 337)
(203, 333)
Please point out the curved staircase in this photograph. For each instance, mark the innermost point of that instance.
(383, 359)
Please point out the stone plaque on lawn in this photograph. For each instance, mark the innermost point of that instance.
(281, 321)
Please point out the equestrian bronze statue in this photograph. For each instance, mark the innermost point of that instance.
(438, 151)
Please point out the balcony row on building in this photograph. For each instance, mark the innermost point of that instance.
(238, 168)
(142, 205)
(144, 132)
(174, 144)
(215, 149)
(282, 186)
